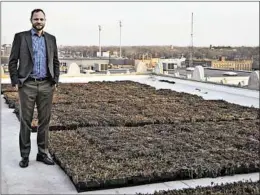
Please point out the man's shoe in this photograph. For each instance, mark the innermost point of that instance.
(24, 162)
(45, 159)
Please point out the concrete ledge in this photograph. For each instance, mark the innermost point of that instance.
(206, 82)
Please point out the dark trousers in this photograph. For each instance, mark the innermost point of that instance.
(41, 94)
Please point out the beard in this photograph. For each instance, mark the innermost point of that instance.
(38, 27)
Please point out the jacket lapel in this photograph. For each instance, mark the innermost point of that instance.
(48, 44)
(28, 38)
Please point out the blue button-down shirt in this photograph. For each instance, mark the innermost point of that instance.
(39, 56)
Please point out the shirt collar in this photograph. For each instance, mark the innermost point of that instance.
(34, 32)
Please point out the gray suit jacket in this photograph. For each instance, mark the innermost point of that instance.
(21, 58)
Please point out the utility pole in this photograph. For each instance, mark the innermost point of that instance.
(191, 47)
(120, 25)
(99, 28)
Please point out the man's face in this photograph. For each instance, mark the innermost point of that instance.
(38, 21)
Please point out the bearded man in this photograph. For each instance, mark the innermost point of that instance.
(34, 72)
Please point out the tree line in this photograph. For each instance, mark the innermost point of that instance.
(139, 52)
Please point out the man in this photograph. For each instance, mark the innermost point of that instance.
(34, 72)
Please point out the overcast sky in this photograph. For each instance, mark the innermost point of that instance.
(143, 23)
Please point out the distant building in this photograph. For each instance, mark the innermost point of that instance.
(63, 67)
(6, 49)
(100, 67)
(90, 63)
(114, 54)
(172, 63)
(121, 61)
(99, 54)
(222, 63)
(4, 60)
(153, 62)
(199, 62)
(105, 54)
(87, 63)
(150, 63)
(2, 51)
(232, 65)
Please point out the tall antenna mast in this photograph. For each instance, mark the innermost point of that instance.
(99, 28)
(191, 47)
(120, 25)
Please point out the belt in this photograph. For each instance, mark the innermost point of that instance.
(37, 79)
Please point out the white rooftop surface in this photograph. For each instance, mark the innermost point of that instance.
(42, 179)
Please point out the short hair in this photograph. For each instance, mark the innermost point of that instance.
(35, 11)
